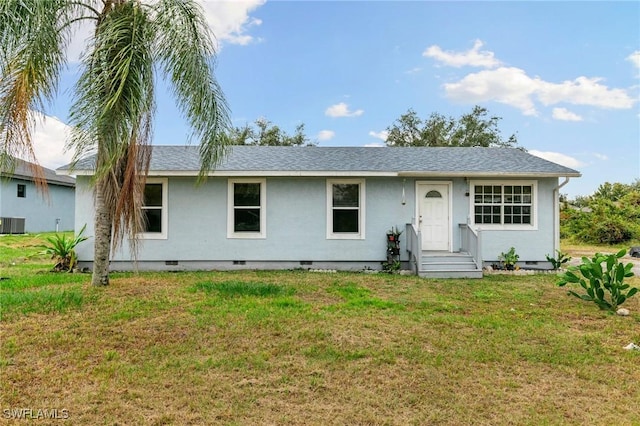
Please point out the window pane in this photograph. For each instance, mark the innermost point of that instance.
(246, 220)
(22, 191)
(346, 195)
(345, 221)
(246, 194)
(153, 194)
(153, 220)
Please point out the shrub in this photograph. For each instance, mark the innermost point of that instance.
(62, 250)
(557, 262)
(609, 230)
(509, 259)
(603, 285)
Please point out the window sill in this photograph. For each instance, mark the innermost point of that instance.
(247, 236)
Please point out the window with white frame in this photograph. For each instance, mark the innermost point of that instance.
(154, 209)
(504, 204)
(247, 207)
(345, 209)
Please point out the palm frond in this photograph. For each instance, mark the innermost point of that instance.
(186, 54)
(113, 109)
(30, 63)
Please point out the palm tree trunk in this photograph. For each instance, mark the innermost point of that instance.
(102, 241)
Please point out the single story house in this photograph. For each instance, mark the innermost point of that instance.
(25, 208)
(332, 207)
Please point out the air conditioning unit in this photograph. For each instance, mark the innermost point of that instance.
(11, 225)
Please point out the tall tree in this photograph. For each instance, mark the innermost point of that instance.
(265, 133)
(473, 129)
(113, 103)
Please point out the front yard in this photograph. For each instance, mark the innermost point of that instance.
(308, 348)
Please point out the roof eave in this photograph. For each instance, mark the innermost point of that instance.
(341, 173)
(489, 174)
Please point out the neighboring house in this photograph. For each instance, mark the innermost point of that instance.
(25, 208)
(330, 208)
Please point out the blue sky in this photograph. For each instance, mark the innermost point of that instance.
(564, 76)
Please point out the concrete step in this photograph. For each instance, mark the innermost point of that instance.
(475, 274)
(448, 265)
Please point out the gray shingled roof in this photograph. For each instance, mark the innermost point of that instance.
(24, 170)
(366, 160)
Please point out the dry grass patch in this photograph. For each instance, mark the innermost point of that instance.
(305, 348)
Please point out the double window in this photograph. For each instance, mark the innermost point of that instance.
(509, 205)
(247, 204)
(345, 209)
(154, 209)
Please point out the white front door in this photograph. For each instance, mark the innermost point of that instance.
(433, 215)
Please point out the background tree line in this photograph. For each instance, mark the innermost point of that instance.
(476, 128)
(611, 215)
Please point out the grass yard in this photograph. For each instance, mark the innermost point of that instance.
(308, 348)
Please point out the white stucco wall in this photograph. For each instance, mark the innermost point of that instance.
(296, 211)
(531, 244)
(40, 210)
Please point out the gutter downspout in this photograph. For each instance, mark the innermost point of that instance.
(556, 213)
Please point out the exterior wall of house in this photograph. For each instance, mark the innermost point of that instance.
(296, 225)
(530, 245)
(40, 211)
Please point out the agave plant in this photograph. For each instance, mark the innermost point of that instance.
(62, 249)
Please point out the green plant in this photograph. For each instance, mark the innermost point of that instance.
(558, 261)
(395, 231)
(62, 250)
(509, 259)
(391, 266)
(604, 285)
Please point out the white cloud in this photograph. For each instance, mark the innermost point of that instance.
(231, 22)
(473, 57)
(599, 156)
(558, 158)
(506, 85)
(583, 91)
(342, 110)
(512, 86)
(383, 135)
(634, 58)
(49, 139)
(565, 115)
(414, 70)
(325, 135)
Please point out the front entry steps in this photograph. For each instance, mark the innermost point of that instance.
(439, 264)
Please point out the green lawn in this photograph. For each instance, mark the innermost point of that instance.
(309, 348)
